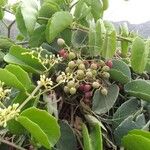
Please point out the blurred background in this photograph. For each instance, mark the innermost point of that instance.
(135, 13)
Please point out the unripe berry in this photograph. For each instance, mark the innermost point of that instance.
(81, 66)
(79, 62)
(88, 95)
(109, 63)
(89, 74)
(60, 42)
(101, 63)
(66, 89)
(59, 78)
(104, 91)
(71, 64)
(68, 70)
(93, 66)
(71, 84)
(73, 91)
(80, 74)
(87, 87)
(105, 68)
(72, 55)
(105, 75)
(95, 85)
(94, 72)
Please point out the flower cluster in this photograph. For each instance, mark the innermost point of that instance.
(9, 113)
(46, 82)
(46, 60)
(4, 93)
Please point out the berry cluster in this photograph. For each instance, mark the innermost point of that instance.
(86, 75)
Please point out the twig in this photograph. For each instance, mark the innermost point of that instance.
(11, 144)
(9, 28)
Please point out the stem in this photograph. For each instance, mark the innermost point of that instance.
(9, 28)
(11, 144)
(23, 43)
(30, 97)
(43, 18)
(2, 105)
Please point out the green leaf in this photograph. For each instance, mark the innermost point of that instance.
(38, 36)
(92, 141)
(47, 10)
(3, 2)
(15, 56)
(21, 75)
(139, 88)
(86, 138)
(100, 32)
(120, 71)
(15, 127)
(96, 8)
(1, 13)
(81, 10)
(105, 4)
(124, 44)
(127, 125)
(60, 21)
(10, 79)
(67, 140)
(109, 44)
(5, 44)
(137, 139)
(26, 16)
(35, 131)
(45, 122)
(92, 34)
(101, 103)
(128, 108)
(139, 55)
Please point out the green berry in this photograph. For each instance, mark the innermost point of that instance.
(94, 72)
(106, 75)
(71, 84)
(80, 74)
(95, 85)
(73, 91)
(71, 64)
(105, 68)
(81, 66)
(104, 91)
(101, 63)
(89, 74)
(66, 89)
(68, 70)
(93, 66)
(60, 42)
(59, 78)
(72, 55)
(79, 62)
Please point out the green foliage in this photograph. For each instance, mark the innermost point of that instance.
(101, 103)
(139, 88)
(137, 139)
(26, 16)
(15, 56)
(120, 71)
(57, 24)
(42, 126)
(139, 55)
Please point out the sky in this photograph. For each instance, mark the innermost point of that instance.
(134, 11)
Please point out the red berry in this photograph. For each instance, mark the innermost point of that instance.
(86, 101)
(87, 88)
(81, 87)
(88, 95)
(65, 55)
(109, 63)
(62, 52)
